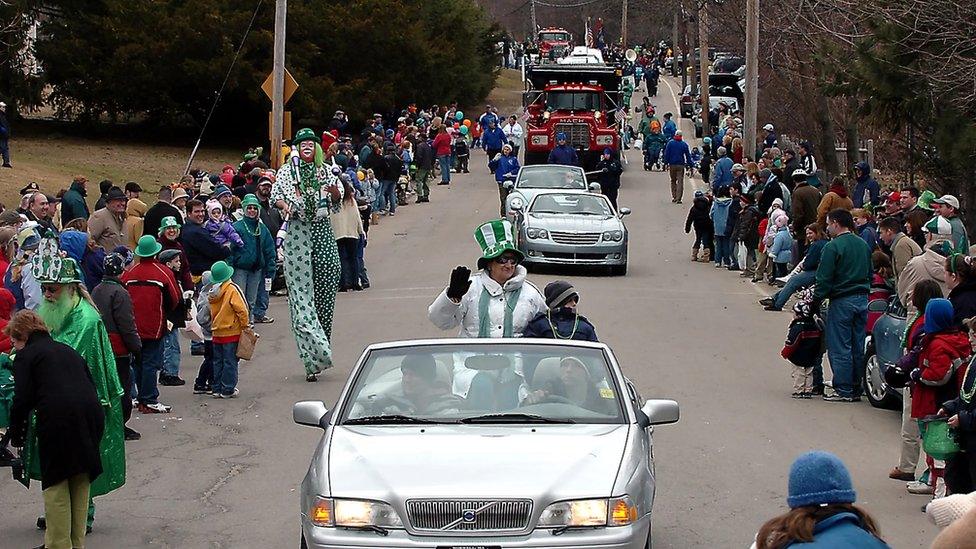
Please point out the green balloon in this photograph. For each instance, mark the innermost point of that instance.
(459, 116)
(463, 130)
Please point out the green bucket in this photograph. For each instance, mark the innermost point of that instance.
(938, 440)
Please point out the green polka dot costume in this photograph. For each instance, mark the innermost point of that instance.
(311, 258)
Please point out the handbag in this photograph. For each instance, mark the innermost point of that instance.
(245, 346)
(193, 331)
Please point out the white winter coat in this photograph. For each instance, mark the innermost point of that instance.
(445, 314)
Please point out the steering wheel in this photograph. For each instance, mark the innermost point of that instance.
(556, 399)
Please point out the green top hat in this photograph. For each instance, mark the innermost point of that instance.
(250, 200)
(495, 238)
(221, 272)
(148, 246)
(306, 134)
(56, 270)
(168, 222)
(925, 200)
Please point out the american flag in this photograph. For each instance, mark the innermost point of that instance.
(589, 34)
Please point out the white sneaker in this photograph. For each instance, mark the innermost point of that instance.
(158, 408)
(919, 488)
(232, 395)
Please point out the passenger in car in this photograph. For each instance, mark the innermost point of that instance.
(575, 385)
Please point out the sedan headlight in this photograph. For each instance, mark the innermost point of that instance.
(353, 513)
(589, 513)
(536, 233)
(613, 236)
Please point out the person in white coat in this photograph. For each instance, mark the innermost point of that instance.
(514, 134)
(496, 302)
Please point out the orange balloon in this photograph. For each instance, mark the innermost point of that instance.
(467, 123)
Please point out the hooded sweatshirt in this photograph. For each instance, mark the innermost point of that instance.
(866, 185)
(132, 227)
(941, 361)
(835, 198)
(720, 216)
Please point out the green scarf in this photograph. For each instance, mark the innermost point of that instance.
(484, 323)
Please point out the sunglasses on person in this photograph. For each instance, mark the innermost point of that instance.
(506, 259)
(50, 288)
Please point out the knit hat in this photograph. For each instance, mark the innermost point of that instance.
(799, 174)
(939, 226)
(212, 205)
(495, 238)
(251, 200)
(938, 315)
(819, 478)
(221, 190)
(782, 220)
(28, 238)
(168, 222)
(925, 200)
(114, 264)
(180, 193)
(699, 193)
(944, 511)
(221, 272)
(558, 293)
(148, 246)
(168, 255)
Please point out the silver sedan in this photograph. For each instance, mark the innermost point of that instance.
(572, 228)
(502, 443)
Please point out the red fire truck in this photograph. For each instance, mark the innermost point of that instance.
(578, 100)
(553, 43)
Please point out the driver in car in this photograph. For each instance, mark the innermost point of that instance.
(575, 385)
(420, 391)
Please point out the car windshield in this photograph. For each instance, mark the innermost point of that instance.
(553, 37)
(573, 101)
(478, 383)
(583, 204)
(551, 177)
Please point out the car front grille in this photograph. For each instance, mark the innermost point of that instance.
(469, 515)
(574, 256)
(582, 239)
(576, 134)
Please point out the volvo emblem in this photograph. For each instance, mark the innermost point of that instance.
(469, 516)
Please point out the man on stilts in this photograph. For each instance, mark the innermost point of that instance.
(307, 192)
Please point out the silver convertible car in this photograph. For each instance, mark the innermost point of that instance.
(532, 180)
(572, 228)
(495, 444)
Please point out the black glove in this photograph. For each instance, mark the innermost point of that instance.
(460, 282)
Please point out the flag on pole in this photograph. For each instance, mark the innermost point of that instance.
(589, 34)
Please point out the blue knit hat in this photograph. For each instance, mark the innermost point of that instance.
(938, 315)
(819, 478)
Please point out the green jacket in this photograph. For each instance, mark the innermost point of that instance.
(258, 251)
(960, 239)
(73, 204)
(845, 268)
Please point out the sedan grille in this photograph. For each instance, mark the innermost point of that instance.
(469, 515)
(581, 239)
(578, 135)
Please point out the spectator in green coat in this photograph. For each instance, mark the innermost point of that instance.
(255, 261)
(73, 205)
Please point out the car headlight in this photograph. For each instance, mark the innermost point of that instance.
(604, 140)
(536, 233)
(353, 513)
(613, 236)
(589, 513)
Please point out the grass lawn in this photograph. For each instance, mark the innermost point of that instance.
(507, 95)
(53, 161)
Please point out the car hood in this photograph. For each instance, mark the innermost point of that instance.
(581, 223)
(475, 461)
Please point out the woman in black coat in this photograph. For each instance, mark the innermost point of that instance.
(52, 380)
(961, 281)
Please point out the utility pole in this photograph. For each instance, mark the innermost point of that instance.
(674, 47)
(623, 26)
(703, 68)
(535, 26)
(278, 82)
(752, 78)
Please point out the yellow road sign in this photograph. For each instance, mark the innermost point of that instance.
(290, 86)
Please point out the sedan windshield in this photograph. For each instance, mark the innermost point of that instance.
(583, 204)
(481, 384)
(551, 177)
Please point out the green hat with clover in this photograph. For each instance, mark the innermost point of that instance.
(50, 267)
(168, 222)
(306, 134)
(495, 238)
(925, 200)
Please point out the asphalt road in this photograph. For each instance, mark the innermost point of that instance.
(224, 473)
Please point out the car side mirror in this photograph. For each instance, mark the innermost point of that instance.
(658, 412)
(309, 412)
(625, 211)
(516, 204)
(509, 185)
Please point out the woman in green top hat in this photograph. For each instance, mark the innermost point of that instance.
(307, 191)
(496, 302)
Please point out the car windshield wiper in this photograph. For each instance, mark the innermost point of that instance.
(391, 418)
(513, 417)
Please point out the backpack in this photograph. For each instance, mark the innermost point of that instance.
(803, 343)
(655, 126)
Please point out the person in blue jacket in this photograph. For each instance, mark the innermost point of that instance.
(723, 170)
(256, 261)
(865, 185)
(561, 321)
(677, 156)
(505, 166)
(562, 153)
(669, 127)
(492, 141)
(822, 511)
